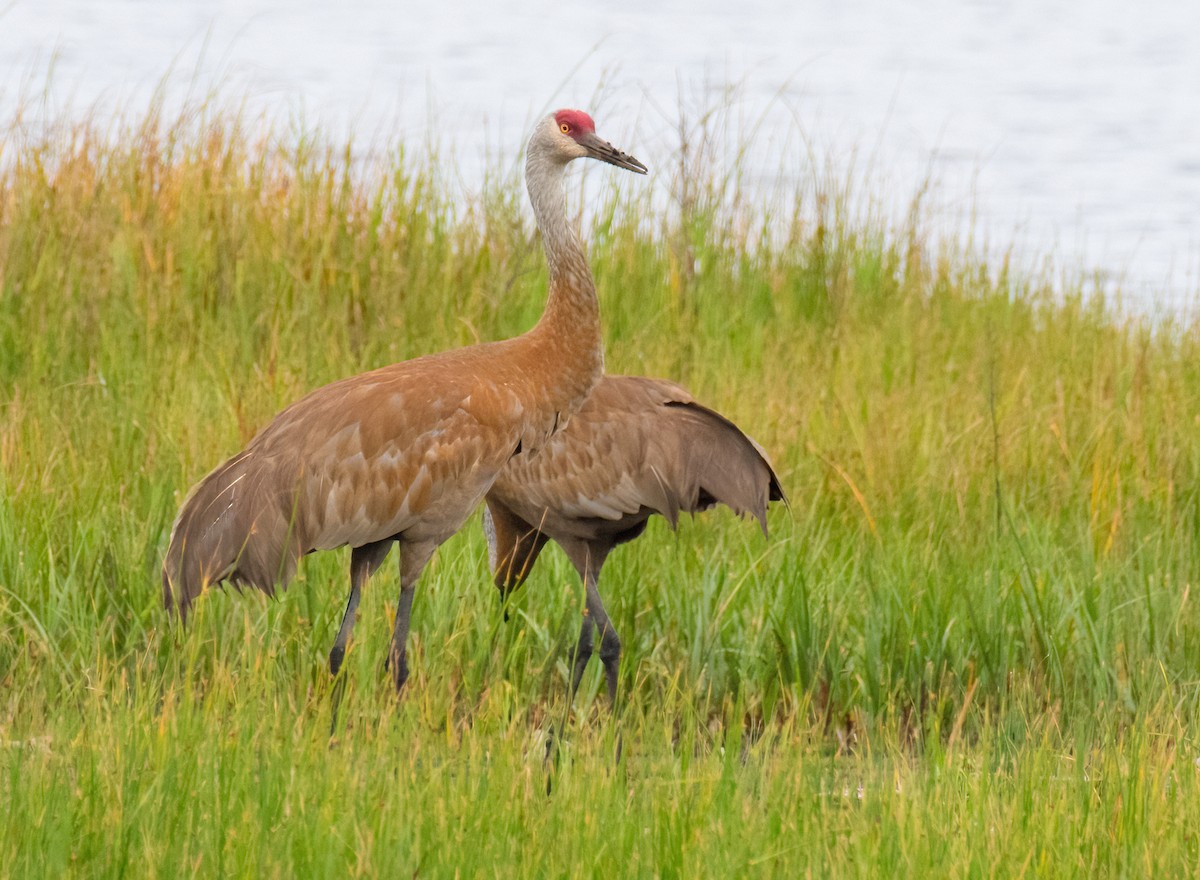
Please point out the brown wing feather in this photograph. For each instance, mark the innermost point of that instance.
(715, 463)
(637, 447)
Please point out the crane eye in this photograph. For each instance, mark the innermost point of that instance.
(564, 128)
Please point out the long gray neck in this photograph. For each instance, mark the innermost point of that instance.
(572, 297)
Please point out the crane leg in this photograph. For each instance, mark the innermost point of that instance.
(583, 653)
(413, 559)
(595, 618)
(364, 561)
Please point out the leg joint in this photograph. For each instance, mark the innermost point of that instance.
(610, 644)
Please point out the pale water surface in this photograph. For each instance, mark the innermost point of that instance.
(1071, 129)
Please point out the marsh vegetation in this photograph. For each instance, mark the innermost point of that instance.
(969, 649)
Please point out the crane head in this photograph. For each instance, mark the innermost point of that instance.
(577, 139)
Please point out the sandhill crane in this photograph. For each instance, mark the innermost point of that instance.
(405, 453)
(637, 447)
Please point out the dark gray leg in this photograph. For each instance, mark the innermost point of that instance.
(397, 658)
(588, 562)
(363, 562)
(610, 645)
(583, 653)
(413, 559)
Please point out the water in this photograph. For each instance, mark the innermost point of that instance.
(1071, 130)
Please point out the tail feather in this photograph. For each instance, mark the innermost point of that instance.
(231, 528)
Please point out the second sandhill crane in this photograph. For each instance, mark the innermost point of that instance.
(638, 447)
(403, 454)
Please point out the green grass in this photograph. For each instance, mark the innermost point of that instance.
(969, 650)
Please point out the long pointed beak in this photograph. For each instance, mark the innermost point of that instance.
(606, 152)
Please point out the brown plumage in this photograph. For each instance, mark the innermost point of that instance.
(405, 453)
(638, 447)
